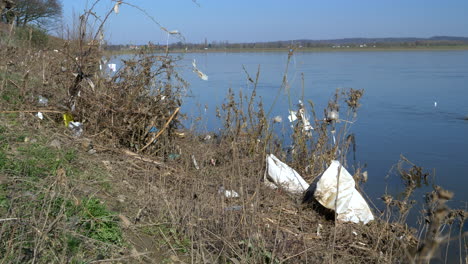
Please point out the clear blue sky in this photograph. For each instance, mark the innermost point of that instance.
(270, 20)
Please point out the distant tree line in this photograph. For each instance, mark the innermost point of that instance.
(339, 43)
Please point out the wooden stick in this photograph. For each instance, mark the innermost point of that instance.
(136, 156)
(161, 131)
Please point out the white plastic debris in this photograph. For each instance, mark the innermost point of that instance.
(277, 119)
(40, 115)
(198, 72)
(302, 115)
(91, 84)
(305, 120)
(116, 7)
(292, 116)
(195, 163)
(333, 115)
(77, 128)
(350, 205)
(112, 67)
(319, 228)
(283, 176)
(42, 100)
(228, 193)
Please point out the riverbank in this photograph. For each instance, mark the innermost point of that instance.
(92, 202)
(107, 173)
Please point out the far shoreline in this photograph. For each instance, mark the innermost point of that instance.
(262, 50)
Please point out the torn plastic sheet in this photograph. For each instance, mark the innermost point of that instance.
(292, 116)
(112, 67)
(283, 176)
(350, 205)
(76, 127)
(42, 100)
(228, 193)
(198, 72)
(302, 115)
(40, 115)
(116, 7)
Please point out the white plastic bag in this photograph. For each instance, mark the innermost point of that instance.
(350, 206)
(284, 176)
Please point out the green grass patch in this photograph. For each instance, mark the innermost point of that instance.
(3, 200)
(83, 229)
(169, 234)
(99, 223)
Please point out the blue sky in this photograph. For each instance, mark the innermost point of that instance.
(270, 20)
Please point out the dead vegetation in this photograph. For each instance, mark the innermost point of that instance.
(164, 185)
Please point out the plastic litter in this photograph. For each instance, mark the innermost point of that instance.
(302, 115)
(67, 118)
(112, 67)
(198, 72)
(173, 156)
(277, 119)
(195, 163)
(319, 228)
(42, 100)
(116, 7)
(233, 208)
(153, 130)
(283, 176)
(350, 205)
(91, 84)
(92, 151)
(40, 115)
(333, 115)
(76, 127)
(228, 193)
(305, 120)
(292, 116)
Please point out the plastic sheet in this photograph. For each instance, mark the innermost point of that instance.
(348, 202)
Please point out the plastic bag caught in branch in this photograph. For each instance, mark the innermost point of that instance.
(198, 72)
(116, 7)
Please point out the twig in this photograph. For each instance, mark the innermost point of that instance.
(162, 130)
(167, 241)
(8, 219)
(296, 255)
(122, 258)
(137, 156)
(12, 82)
